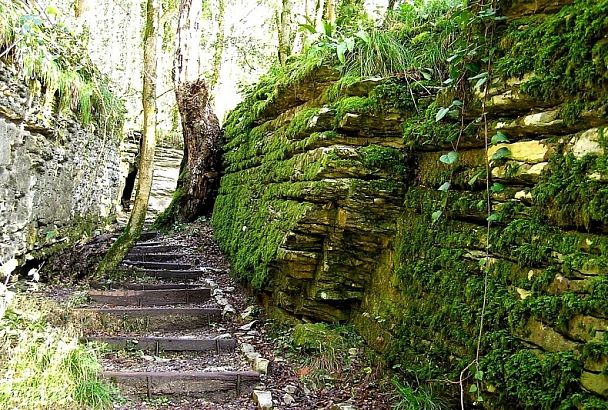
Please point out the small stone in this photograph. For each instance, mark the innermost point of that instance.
(247, 348)
(252, 356)
(262, 399)
(248, 326)
(228, 310)
(260, 365)
(291, 389)
(247, 313)
(343, 406)
(288, 399)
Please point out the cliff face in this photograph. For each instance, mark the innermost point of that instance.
(334, 206)
(57, 178)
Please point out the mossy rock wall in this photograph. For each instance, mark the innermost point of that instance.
(327, 208)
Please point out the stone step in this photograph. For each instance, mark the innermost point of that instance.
(143, 286)
(146, 319)
(153, 257)
(166, 344)
(143, 248)
(150, 297)
(210, 385)
(158, 265)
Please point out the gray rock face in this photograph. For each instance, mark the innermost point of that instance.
(57, 178)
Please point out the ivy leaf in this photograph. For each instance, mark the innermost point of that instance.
(309, 27)
(476, 177)
(436, 215)
(341, 51)
(497, 187)
(350, 43)
(501, 154)
(443, 111)
(479, 375)
(480, 83)
(473, 388)
(500, 137)
(449, 158)
(494, 218)
(444, 187)
(52, 11)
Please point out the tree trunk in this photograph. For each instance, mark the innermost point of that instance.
(146, 162)
(200, 168)
(329, 13)
(283, 26)
(219, 45)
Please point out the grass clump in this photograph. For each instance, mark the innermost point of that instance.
(42, 363)
(419, 398)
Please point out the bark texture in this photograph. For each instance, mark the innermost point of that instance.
(146, 162)
(200, 170)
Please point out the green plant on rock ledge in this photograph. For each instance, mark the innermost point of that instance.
(57, 63)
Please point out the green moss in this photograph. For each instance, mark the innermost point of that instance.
(378, 157)
(354, 105)
(316, 336)
(569, 195)
(566, 51)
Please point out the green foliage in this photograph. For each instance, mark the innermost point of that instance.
(57, 61)
(540, 381)
(569, 193)
(419, 398)
(43, 364)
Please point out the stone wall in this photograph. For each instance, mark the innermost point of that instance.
(334, 205)
(58, 180)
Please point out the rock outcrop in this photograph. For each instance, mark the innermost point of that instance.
(357, 202)
(58, 179)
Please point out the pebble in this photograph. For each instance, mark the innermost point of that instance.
(248, 326)
(288, 399)
(248, 312)
(291, 389)
(247, 348)
(263, 399)
(343, 406)
(260, 365)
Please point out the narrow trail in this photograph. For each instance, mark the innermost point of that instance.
(182, 334)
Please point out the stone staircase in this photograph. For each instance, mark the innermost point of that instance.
(166, 334)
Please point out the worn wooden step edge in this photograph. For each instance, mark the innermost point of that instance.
(150, 297)
(153, 257)
(143, 286)
(153, 311)
(137, 249)
(183, 383)
(147, 244)
(170, 344)
(157, 265)
(176, 274)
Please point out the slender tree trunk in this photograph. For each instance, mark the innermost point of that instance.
(219, 45)
(200, 169)
(329, 13)
(283, 26)
(146, 162)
